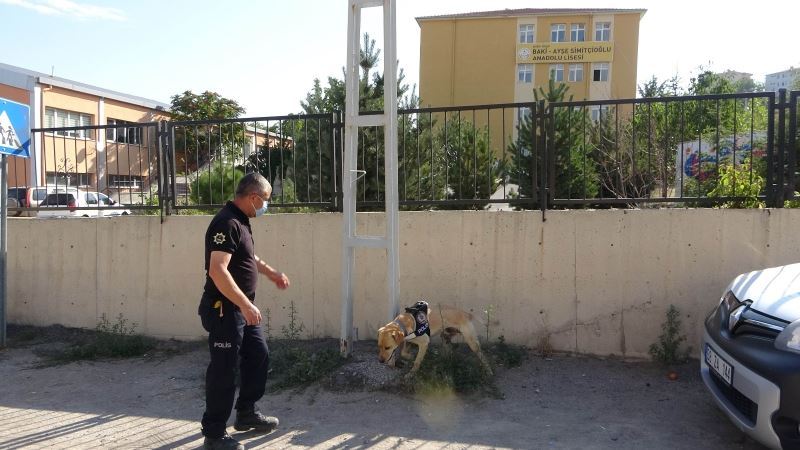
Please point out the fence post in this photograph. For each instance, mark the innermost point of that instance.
(780, 189)
(166, 170)
(542, 147)
(336, 145)
(792, 146)
(770, 188)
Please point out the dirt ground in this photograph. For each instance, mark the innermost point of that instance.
(562, 402)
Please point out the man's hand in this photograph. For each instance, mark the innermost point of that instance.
(280, 279)
(252, 315)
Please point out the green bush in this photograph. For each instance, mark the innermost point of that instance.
(293, 366)
(109, 340)
(739, 181)
(668, 348)
(216, 185)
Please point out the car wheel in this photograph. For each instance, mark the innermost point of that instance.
(85, 215)
(124, 213)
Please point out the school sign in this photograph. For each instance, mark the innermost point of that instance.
(575, 52)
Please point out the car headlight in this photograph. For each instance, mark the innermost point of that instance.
(731, 310)
(789, 339)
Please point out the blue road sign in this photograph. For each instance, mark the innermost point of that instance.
(15, 131)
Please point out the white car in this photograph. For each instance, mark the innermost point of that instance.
(71, 203)
(751, 355)
(114, 208)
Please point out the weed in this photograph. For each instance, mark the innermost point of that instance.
(293, 366)
(507, 355)
(292, 332)
(489, 312)
(109, 340)
(291, 363)
(668, 348)
(456, 369)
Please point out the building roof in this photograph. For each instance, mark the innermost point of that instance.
(532, 12)
(790, 70)
(19, 77)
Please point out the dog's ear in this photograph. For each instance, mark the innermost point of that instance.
(398, 337)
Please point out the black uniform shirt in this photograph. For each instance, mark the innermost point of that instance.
(230, 232)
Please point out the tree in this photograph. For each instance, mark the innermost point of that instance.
(664, 127)
(573, 172)
(216, 185)
(199, 144)
(305, 158)
(655, 88)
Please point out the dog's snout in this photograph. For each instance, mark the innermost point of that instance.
(381, 359)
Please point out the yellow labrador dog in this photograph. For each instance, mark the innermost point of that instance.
(412, 327)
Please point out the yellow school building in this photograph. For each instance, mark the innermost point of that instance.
(502, 56)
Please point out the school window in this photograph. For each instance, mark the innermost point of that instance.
(575, 72)
(128, 133)
(599, 112)
(578, 32)
(600, 72)
(125, 181)
(66, 177)
(558, 32)
(557, 72)
(60, 118)
(602, 31)
(523, 114)
(525, 34)
(525, 73)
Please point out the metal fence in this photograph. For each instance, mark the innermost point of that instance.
(731, 150)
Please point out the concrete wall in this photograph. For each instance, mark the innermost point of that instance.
(595, 281)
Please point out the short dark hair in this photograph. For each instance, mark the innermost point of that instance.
(253, 182)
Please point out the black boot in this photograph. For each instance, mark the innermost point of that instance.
(254, 420)
(226, 442)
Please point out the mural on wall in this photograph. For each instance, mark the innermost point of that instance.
(699, 160)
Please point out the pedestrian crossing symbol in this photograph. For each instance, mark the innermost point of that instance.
(15, 133)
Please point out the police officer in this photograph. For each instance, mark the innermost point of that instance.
(232, 319)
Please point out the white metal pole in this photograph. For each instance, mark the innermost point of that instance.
(390, 144)
(353, 121)
(348, 166)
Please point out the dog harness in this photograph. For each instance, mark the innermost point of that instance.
(421, 326)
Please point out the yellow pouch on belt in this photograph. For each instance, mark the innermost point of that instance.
(218, 304)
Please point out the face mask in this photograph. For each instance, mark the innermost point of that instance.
(262, 210)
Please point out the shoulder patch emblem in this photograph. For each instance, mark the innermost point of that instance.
(219, 238)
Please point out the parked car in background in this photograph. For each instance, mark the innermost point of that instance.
(69, 200)
(751, 355)
(26, 197)
(114, 208)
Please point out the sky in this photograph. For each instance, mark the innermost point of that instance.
(266, 54)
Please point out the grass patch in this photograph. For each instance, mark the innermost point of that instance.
(507, 355)
(295, 365)
(455, 368)
(108, 340)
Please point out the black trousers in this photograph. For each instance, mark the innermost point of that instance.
(231, 343)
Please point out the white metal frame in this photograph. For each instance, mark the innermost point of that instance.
(353, 121)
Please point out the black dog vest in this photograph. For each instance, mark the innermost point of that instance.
(420, 313)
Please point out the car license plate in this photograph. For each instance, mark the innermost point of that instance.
(719, 365)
